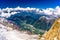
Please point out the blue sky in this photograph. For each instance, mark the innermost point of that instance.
(30, 3)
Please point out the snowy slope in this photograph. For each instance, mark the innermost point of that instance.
(9, 34)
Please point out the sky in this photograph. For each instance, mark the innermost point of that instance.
(29, 3)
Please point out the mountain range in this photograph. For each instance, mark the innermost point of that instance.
(31, 19)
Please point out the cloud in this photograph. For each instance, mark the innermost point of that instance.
(12, 11)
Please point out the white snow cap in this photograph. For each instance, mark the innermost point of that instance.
(6, 12)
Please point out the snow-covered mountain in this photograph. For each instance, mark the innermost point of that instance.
(7, 12)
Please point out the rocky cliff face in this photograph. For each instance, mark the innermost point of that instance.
(54, 32)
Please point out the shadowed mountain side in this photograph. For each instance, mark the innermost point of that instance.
(35, 23)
